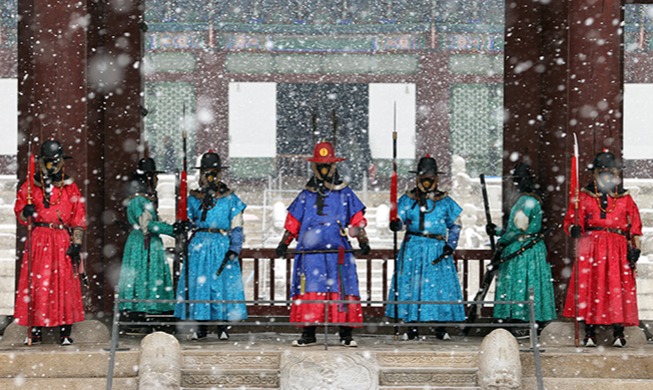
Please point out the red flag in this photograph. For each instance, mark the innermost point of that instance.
(182, 201)
(182, 195)
(573, 181)
(393, 179)
(393, 195)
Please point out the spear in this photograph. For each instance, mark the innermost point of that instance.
(393, 214)
(574, 193)
(181, 255)
(472, 310)
(30, 200)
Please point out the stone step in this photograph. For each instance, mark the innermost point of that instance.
(453, 359)
(428, 387)
(231, 370)
(593, 364)
(192, 360)
(37, 368)
(67, 383)
(243, 378)
(585, 383)
(444, 377)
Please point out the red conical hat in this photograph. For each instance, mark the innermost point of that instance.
(324, 154)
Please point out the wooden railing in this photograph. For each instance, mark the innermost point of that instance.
(267, 278)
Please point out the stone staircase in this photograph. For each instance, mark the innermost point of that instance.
(433, 370)
(266, 361)
(45, 368)
(264, 370)
(591, 369)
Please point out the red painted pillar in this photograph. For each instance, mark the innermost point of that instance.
(79, 82)
(563, 75)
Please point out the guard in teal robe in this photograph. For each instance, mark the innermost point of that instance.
(145, 274)
(524, 263)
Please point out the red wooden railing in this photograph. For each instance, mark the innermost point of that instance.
(261, 269)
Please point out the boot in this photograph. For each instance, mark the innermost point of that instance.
(307, 338)
(590, 336)
(619, 337)
(223, 332)
(441, 333)
(412, 333)
(36, 336)
(345, 337)
(64, 334)
(201, 333)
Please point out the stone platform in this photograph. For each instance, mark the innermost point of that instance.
(268, 361)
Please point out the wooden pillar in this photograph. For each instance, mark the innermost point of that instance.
(79, 82)
(563, 75)
(213, 94)
(432, 105)
(115, 79)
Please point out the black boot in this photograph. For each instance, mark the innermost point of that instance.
(412, 333)
(590, 336)
(441, 333)
(201, 332)
(36, 336)
(619, 337)
(345, 337)
(223, 332)
(64, 334)
(307, 338)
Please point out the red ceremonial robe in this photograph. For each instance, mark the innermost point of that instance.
(56, 291)
(606, 282)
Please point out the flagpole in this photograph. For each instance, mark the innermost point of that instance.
(393, 217)
(30, 223)
(575, 184)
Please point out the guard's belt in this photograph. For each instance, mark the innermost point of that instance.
(607, 229)
(212, 230)
(427, 235)
(51, 225)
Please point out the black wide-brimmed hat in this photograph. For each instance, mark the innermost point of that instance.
(52, 149)
(211, 160)
(521, 171)
(147, 166)
(427, 165)
(604, 160)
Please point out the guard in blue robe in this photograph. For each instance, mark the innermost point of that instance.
(320, 219)
(216, 214)
(432, 224)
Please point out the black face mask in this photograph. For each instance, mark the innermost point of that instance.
(211, 178)
(324, 170)
(606, 181)
(51, 165)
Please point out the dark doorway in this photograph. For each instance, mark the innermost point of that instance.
(310, 113)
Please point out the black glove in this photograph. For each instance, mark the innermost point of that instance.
(230, 255)
(29, 211)
(181, 227)
(281, 250)
(491, 229)
(574, 232)
(364, 248)
(73, 252)
(447, 250)
(396, 225)
(633, 256)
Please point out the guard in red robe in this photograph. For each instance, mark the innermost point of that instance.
(608, 228)
(51, 296)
